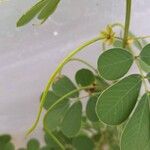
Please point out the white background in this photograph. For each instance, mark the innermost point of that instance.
(28, 55)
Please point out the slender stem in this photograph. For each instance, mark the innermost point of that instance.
(66, 96)
(117, 24)
(127, 21)
(93, 94)
(84, 62)
(130, 34)
(54, 138)
(53, 106)
(53, 76)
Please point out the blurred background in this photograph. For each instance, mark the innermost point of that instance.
(28, 55)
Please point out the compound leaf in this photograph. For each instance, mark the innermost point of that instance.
(72, 121)
(43, 9)
(136, 135)
(29, 15)
(117, 102)
(114, 63)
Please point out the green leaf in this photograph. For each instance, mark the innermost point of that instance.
(101, 83)
(43, 9)
(63, 86)
(54, 117)
(90, 109)
(82, 142)
(5, 138)
(48, 9)
(72, 121)
(33, 144)
(5, 142)
(50, 142)
(84, 77)
(145, 54)
(51, 98)
(9, 146)
(117, 102)
(114, 63)
(144, 66)
(29, 15)
(136, 135)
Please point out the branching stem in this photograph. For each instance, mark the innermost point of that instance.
(54, 105)
(53, 76)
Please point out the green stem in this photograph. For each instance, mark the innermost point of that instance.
(66, 96)
(117, 25)
(53, 76)
(127, 21)
(84, 62)
(54, 138)
(53, 106)
(130, 34)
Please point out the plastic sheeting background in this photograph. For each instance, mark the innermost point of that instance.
(28, 55)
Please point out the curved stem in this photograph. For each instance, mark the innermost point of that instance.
(53, 76)
(54, 138)
(53, 106)
(67, 95)
(84, 62)
(127, 21)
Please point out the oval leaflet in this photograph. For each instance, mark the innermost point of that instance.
(117, 102)
(114, 63)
